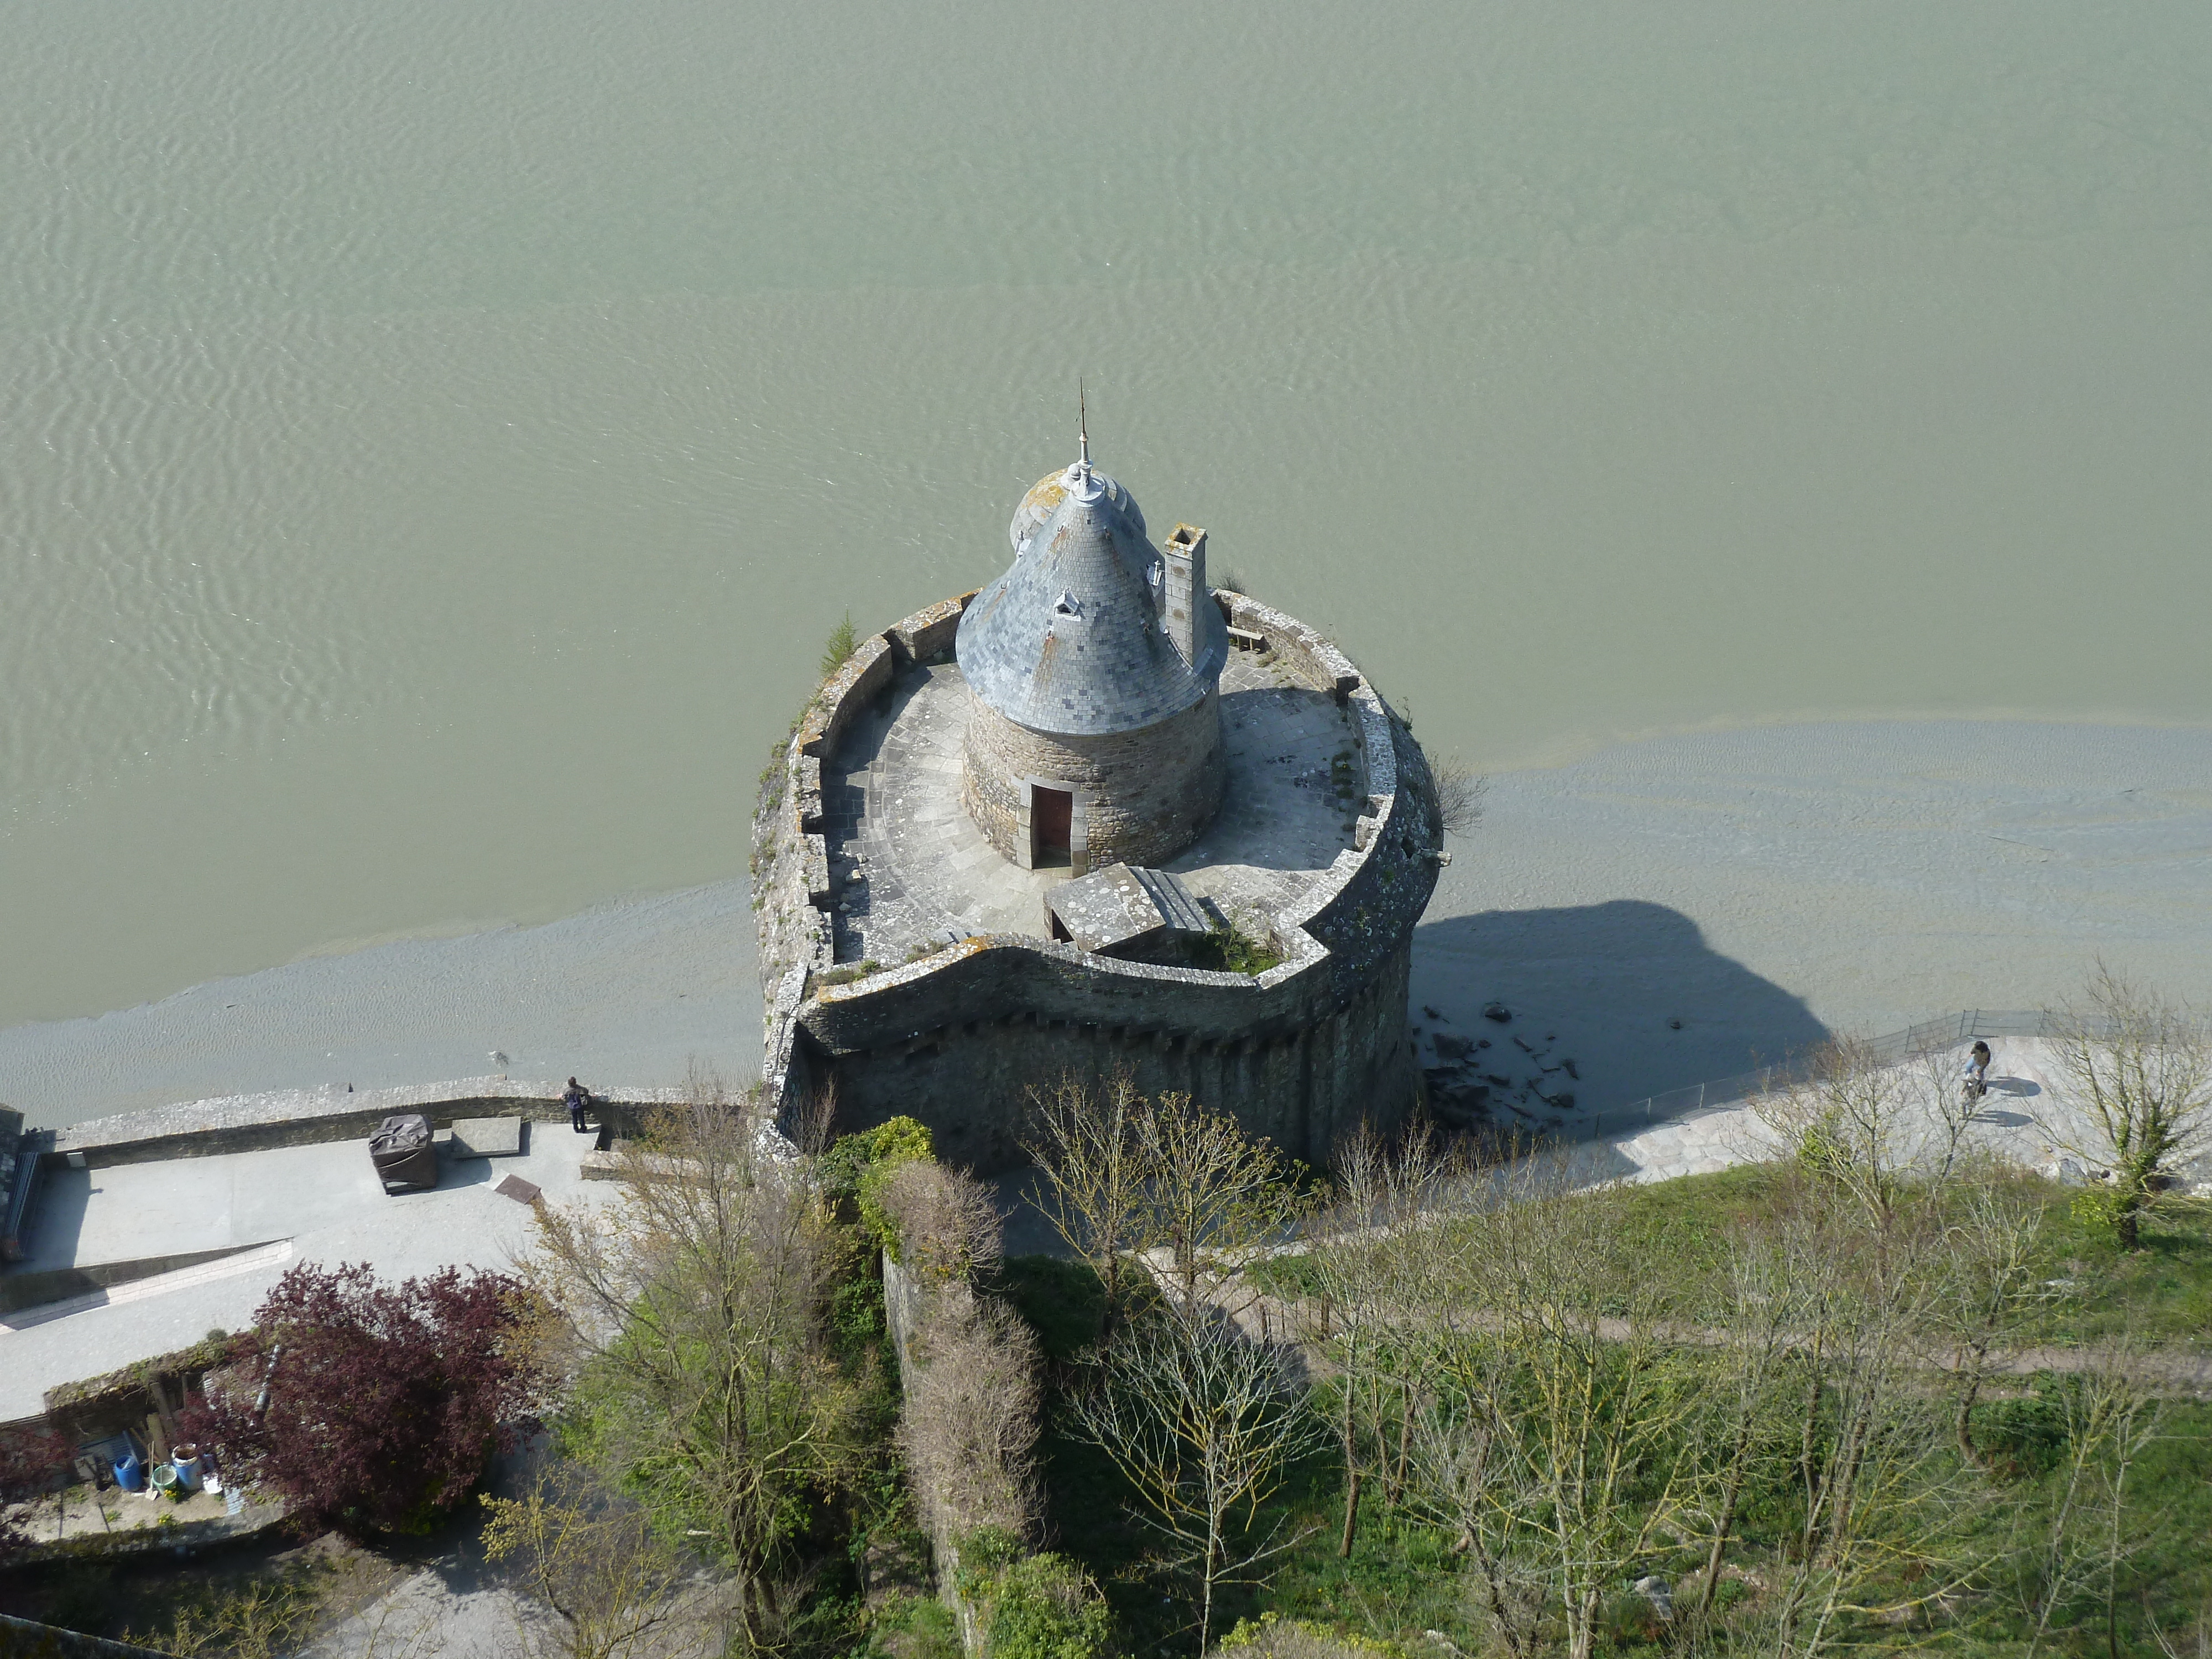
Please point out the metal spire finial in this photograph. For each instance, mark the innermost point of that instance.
(1079, 479)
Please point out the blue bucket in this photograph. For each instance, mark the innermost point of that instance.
(130, 1474)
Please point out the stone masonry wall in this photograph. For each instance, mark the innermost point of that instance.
(963, 1050)
(1142, 796)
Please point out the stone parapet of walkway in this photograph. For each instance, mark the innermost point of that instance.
(301, 1117)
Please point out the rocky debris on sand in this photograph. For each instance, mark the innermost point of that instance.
(1457, 1102)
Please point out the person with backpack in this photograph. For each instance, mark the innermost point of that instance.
(576, 1100)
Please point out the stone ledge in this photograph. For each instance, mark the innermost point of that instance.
(929, 632)
(20, 1290)
(302, 1117)
(183, 1538)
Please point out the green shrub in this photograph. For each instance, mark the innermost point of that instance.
(841, 645)
(856, 1167)
(1272, 1636)
(856, 1313)
(2026, 1436)
(2099, 1208)
(911, 1627)
(1230, 951)
(1044, 1607)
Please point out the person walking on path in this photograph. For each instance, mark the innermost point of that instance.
(576, 1100)
(1975, 1080)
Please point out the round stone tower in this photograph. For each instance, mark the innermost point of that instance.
(1093, 669)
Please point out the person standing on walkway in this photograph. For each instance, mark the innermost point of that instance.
(577, 1098)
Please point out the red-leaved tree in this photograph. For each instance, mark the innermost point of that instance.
(31, 1463)
(369, 1405)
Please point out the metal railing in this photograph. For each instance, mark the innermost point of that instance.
(1696, 1099)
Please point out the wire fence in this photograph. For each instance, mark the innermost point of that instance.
(1695, 1100)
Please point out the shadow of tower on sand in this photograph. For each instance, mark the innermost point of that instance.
(1610, 1003)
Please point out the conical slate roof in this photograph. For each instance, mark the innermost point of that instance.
(1069, 641)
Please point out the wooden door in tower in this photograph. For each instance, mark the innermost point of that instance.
(1052, 820)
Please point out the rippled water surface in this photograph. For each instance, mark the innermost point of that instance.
(434, 438)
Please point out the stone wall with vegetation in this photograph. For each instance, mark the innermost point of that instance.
(971, 1385)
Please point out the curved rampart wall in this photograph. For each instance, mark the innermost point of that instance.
(1301, 1052)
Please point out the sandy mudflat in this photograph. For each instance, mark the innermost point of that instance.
(623, 993)
(1765, 886)
(1760, 885)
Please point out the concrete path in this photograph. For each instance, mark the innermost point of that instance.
(2025, 1105)
(321, 1203)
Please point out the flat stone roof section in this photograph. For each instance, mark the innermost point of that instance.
(915, 873)
(1122, 907)
(486, 1136)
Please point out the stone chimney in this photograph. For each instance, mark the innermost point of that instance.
(1185, 589)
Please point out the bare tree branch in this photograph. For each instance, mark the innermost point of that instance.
(1205, 1424)
(698, 1300)
(2141, 1068)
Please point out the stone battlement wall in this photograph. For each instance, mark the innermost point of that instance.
(794, 891)
(1300, 1052)
(1375, 892)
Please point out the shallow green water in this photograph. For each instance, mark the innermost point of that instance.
(437, 438)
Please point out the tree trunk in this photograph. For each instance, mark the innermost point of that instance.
(1205, 1606)
(1350, 1507)
(1582, 1627)
(1808, 1470)
(1405, 1419)
(1505, 1625)
(1721, 1532)
(1964, 1426)
(1109, 1282)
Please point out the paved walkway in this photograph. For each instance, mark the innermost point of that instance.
(2021, 1118)
(917, 872)
(320, 1203)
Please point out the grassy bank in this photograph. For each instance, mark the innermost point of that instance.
(2139, 1584)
